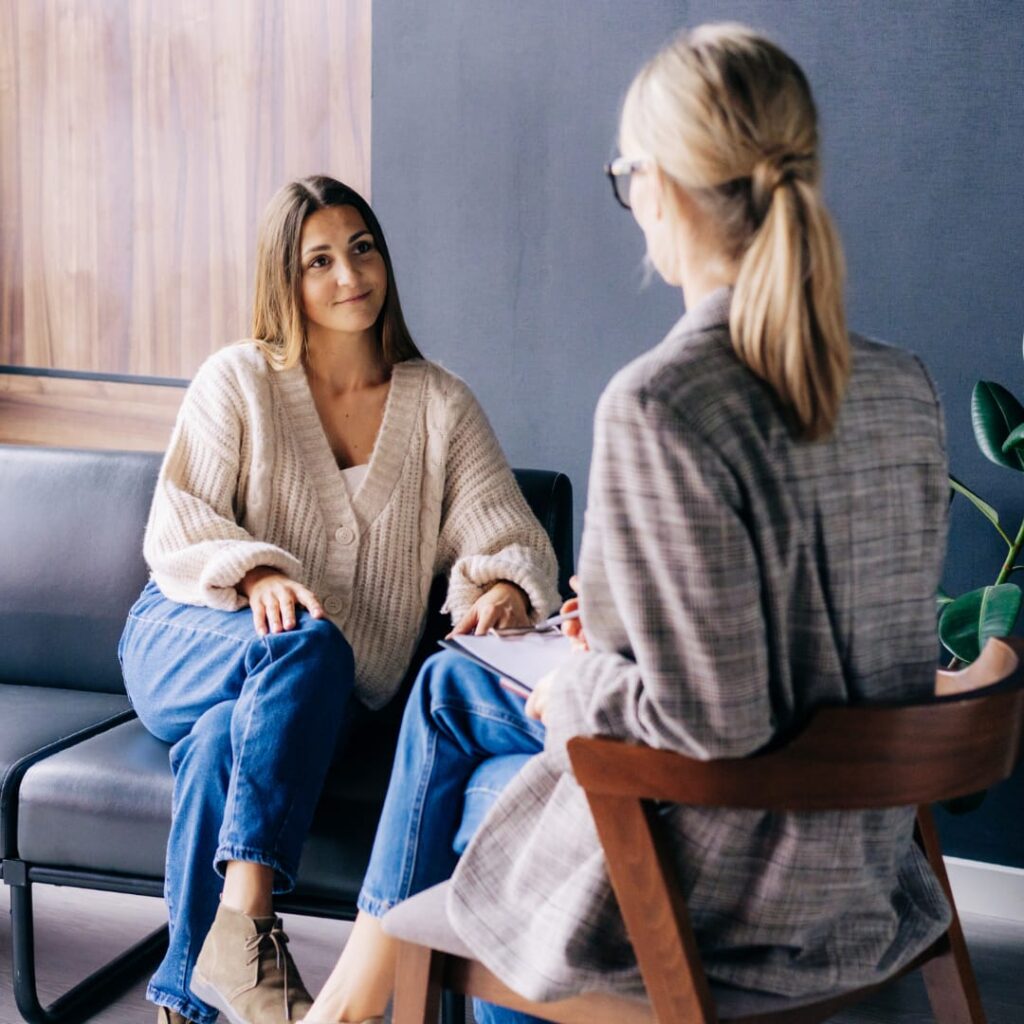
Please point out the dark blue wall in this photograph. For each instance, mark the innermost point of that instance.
(492, 118)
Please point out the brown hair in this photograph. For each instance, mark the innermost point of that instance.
(729, 117)
(277, 321)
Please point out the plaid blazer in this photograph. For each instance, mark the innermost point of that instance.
(732, 578)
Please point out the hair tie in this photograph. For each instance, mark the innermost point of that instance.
(770, 173)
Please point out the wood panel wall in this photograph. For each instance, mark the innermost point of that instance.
(139, 142)
(76, 413)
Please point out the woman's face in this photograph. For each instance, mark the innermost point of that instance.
(344, 278)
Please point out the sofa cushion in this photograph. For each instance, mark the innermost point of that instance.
(104, 805)
(72, 525)
(34, 720)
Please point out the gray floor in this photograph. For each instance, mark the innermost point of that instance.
(79, 930)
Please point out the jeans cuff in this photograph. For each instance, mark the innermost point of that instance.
(374, 905)
(189, 1010)
(284, 878)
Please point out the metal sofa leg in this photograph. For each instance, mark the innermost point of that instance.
(453, 1007)
(87, 997)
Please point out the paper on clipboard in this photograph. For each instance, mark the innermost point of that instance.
(523, 659)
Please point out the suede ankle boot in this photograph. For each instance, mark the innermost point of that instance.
(245, 971)
(165, 1015)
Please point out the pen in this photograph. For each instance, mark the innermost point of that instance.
(542, 627)
(557, 620)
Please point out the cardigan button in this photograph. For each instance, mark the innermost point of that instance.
(332, 604)
(345, 534)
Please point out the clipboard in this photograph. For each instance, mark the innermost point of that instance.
(523, 658)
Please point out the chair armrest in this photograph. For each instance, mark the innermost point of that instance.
(614, 768)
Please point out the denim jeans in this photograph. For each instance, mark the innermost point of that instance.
(463, 737)
(253, 723)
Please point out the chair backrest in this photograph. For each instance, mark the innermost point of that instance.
(71, 527)
(846, 758)
(549, 495)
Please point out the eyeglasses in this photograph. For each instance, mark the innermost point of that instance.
(620, 172)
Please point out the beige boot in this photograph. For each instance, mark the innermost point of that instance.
(165, 1015)
(245, 970)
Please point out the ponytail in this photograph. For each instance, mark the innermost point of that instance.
(787, 321)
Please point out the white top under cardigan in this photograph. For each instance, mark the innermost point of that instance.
(249, 479)
(353, 476)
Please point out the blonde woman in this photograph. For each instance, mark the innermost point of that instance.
(765, 530)
(318, 478)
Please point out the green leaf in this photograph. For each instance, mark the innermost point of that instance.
(996, 414)
(972, 618)
(1015, 440)
(942, 599)
(982, 506)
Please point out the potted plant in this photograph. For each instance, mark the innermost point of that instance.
(967, 621)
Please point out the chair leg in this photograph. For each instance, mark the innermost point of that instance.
(417, 985)
(953, 996)
(949, 978)
(87, 997)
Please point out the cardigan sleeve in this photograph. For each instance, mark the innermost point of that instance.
(677, 567)
(488, 532)
(194, 547)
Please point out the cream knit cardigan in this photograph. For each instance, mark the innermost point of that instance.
(250, 479)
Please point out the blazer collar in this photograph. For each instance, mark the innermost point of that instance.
(712, 311)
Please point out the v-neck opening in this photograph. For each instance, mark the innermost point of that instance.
(390, 447)
(376, 441)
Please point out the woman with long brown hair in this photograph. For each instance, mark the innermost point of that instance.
(319, 475)
(765, 531)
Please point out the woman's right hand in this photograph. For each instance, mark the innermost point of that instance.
(273, 597)
(573, 629)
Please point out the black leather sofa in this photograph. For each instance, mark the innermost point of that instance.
(85, 791)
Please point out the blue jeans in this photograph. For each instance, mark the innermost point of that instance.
(463, 738)
(253, 723)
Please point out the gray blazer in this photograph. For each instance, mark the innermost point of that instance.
(731, 580)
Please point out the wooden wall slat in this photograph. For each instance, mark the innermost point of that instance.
(139, 143)
(76, 413)
(11, 298)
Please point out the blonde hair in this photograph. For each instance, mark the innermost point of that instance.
(278, 324)
(729, 118)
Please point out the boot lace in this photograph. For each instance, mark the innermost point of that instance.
(278, 940)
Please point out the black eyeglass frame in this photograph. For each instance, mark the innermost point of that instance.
(622, 167)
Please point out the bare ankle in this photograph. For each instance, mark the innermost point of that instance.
(353, 1013)
(248, 888)
(251, 908)
(347, 1006)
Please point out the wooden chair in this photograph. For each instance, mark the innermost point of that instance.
(847, 758)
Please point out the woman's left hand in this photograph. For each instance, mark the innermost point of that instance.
(502, 607)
